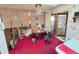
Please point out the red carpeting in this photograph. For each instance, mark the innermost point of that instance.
(25, 46)
(67, 49)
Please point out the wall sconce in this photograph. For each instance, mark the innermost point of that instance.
(76, 15)
(74, 19)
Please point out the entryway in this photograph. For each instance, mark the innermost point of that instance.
(59, 24)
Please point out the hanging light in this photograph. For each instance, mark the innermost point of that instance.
(29, 13)
(15, 18)
(38, 9)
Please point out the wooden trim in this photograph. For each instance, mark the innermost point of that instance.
(66, 20)
(66, 12)
(56, 22)
(52, 14)
(66, 24)
(61, 13)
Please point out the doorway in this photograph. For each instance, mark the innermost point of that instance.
(59, 24)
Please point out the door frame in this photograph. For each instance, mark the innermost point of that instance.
(56, 21)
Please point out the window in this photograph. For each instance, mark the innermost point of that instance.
(52, 22)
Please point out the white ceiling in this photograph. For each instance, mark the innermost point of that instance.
(28, 6)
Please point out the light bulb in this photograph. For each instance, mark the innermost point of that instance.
(29, 13)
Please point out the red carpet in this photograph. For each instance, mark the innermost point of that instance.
(25, 46)
(67, 50)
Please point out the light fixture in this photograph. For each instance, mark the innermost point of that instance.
(38, 9)
(37, 14)
(29, 13)
(76, 15)
(15, 18)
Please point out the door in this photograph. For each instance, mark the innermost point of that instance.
(61, 24)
